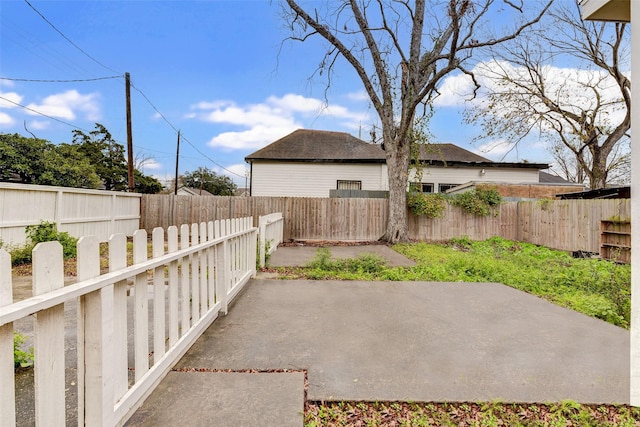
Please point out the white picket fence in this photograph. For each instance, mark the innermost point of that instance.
(190, 278)
(271, 232)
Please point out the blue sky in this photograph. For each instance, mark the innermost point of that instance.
(216, 70)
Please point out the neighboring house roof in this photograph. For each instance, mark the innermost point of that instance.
(188, 191)
(316, 145)
(306, 145)
(552, 179)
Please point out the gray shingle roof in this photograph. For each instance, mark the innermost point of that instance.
(306, 145)
(319, 145)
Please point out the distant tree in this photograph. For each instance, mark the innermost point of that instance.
(66, 166)
(37, 161)
(22, 157)
(582, 110)
(206, 179)
(105, 154)
(146, 184)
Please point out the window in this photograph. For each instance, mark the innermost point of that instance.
(424, 187)
(442, 188)
(349, 185)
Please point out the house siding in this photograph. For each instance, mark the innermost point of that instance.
(458, 175)
(295, 179)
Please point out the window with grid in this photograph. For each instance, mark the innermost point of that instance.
(444, 187)
(423, 187)
(349, 185)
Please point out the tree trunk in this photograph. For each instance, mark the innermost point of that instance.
(598, 177)
(398, 170)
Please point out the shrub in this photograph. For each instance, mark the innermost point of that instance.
(43, 232)
(481, 201)
(431, 205)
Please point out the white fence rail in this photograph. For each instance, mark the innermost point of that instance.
(271, 232)
(77, 211)
(172, 298)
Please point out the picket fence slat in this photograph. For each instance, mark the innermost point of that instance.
(7, 390)
(140, 307)
(48, 341)
(158, 295)
(174, 326)
(118, 261)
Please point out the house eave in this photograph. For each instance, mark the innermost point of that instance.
(606, 10)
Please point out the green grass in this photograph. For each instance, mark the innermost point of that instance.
(597, 288)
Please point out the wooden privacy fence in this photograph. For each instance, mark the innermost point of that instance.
(188, 284)
(305, 218)
(78, 211)
(270, 234)
(570, 225)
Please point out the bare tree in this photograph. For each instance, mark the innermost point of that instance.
(582, 109)
(401, 50)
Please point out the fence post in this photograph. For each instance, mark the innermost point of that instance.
(95, 341)
(222, 267)
(48, 345)
(7, 391)
(262, 230)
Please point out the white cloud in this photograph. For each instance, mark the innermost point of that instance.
(7, 83)
(13, 98)
(150, 164)
(6, 119)
(455, 91)
(253, 138)
(361, 95)
(67, 104)
(268, 121)
(39, 124)
(495, 149)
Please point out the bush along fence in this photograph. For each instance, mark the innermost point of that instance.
(172, 297)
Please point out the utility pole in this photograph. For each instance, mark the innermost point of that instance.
(127, 81)
(175, 191)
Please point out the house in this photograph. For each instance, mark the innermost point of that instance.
(188, 191)
(312, 163)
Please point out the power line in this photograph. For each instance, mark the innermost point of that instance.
(183, 137)
(68, 39)
(60, 81)
(210, 159)
(154, 107)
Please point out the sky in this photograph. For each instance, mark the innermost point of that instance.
(218, 71)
